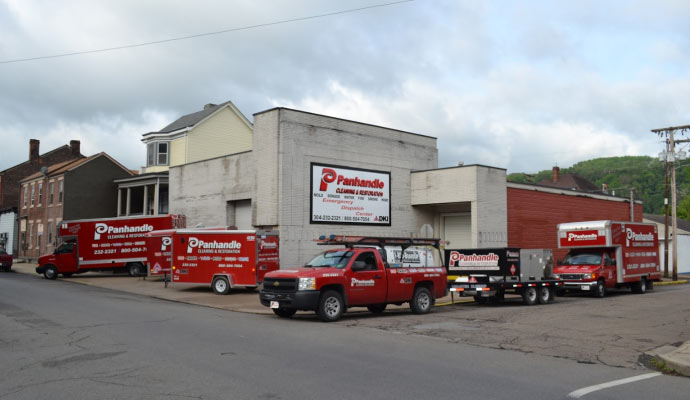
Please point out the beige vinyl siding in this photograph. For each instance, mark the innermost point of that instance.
(177, 151)
(157, 168)
(222, 134)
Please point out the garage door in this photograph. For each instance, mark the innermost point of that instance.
(243, 214)
(457, 229)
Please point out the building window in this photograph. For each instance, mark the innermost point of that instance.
(33, 194)
(157, 153)
(50, 233)
(50, 193)
(31, 235)
(60, 190)
(40, 193)
(39, 240)
(26, 195)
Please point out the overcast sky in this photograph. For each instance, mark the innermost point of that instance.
(522, 85)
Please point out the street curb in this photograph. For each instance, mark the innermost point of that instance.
(668, 283)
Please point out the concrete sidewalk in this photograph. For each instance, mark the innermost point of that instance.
(673, 359)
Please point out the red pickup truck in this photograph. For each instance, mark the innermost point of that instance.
(5, 260)
(368, 272)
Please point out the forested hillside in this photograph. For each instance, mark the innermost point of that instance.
(643, 174)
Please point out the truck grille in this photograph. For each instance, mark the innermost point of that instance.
(280, 285)
(572, 277)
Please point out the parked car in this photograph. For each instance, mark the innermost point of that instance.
(5, 260)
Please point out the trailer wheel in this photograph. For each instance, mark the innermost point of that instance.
(50, 272)
(545, 295)
(284, 312)
(135, 269)
(529, 295)
(640, 287)
(421, 300)
(331, 306)
(377, 308)
(600, 289)
(220, 285)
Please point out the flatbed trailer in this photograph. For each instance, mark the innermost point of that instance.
(489, 274)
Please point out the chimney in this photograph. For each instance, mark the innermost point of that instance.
(554, 174)
(33, 149)
(75, 145)
(209, 105)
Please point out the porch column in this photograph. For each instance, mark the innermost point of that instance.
(129, 201)
(119, 201)
(156, 189)
(146, 198)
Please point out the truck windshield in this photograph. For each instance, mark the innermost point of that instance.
(335, 259)
(582, 259)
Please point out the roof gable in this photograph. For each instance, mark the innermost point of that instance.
(189, 121)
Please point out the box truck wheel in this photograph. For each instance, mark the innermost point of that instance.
(600, 289)
(421, 300)
(331, 306)
(135, 269)
(220, 285)
(529, 296)
(545, 295)
(50, 272)
(640, 287)
(284, 312)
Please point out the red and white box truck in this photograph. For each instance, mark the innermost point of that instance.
(223, 259)
(104, 244)
(608, 254)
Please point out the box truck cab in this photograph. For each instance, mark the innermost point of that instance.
(608, 254)
(103, 244)
(367, 272)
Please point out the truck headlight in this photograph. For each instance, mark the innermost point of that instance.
(307, 284)
(588, 276)
(557, 276)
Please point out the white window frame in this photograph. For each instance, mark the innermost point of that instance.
(154, 153)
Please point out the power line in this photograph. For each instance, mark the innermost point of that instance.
(76, 53)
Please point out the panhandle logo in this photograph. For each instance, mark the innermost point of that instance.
(643, 237)
(574, 237)
(268, 245)
(358, 283)
(167, 241)
(194, 243)
(102, 228)
(459, 259)
(328, 175)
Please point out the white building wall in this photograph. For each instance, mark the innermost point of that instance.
(683, 254)
(302, 138)
(8, 225)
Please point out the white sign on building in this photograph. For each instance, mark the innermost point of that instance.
(341, 195)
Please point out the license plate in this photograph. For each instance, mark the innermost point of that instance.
(585, 288)
(275, 304)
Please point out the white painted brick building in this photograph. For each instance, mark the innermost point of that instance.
(270, 187)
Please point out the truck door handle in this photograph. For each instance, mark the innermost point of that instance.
(378, 277)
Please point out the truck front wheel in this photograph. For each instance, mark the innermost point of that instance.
(331, 306)
(529, 296)
(50, 272)
(220, 285)
(284, 312)
(421, 301)
(600, 289)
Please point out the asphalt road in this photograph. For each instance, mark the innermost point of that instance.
(60, 340)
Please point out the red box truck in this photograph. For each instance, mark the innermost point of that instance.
(104, 244)
(608, 254)
(223, 259)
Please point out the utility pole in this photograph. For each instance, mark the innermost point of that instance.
(632, 205)
(666, 215)
(672, 156)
